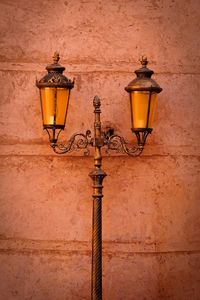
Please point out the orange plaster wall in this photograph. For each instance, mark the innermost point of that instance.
(151, 211)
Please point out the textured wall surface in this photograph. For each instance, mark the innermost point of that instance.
(151, 207)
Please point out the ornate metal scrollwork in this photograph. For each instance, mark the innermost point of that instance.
(55, 78)
(81, 141)
(77, 142)
(120, 145)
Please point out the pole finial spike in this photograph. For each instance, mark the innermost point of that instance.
(144, 61)
(96, 101)
(56, 57)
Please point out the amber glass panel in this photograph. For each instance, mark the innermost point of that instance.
(48, 96)
(62, 105)
(54, 105)
(140, 102)
(152, 109)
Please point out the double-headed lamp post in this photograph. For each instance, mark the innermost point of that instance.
(55, 91)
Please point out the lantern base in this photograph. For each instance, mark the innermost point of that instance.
(141, 135)
(53, 132)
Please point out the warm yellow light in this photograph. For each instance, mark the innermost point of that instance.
(62, 105)
(54, 102)
(143, 105)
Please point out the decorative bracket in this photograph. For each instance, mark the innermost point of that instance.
(113, 142)
(77, 142)
(120, 145)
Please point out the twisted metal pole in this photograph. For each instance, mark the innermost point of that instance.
(97, 176)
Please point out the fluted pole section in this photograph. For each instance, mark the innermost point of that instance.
(97, 176)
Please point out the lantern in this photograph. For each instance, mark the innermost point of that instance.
(54, 96)
(143, 96)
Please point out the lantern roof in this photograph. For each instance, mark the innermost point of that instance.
(143, 81)
(55, 77)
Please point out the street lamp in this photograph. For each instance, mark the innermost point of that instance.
(54, 96)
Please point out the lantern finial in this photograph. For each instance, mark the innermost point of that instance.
(144, 61)
(56, 57)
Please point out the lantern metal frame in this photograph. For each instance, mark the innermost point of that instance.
(109, 139)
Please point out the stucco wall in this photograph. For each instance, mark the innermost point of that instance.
(151, 208)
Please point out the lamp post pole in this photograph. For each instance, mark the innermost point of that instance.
(97, 176)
